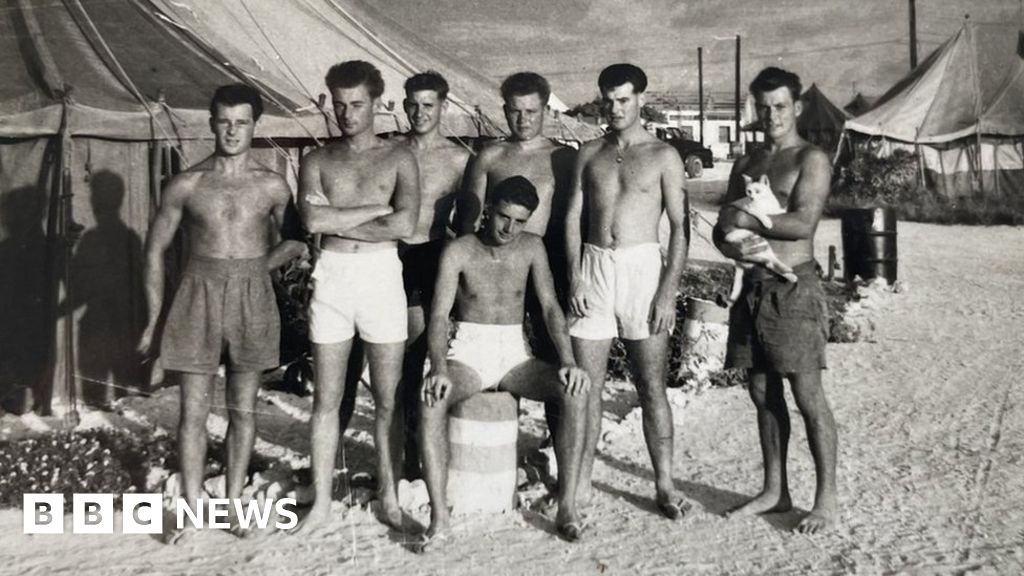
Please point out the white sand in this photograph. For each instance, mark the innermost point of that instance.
(931, 427)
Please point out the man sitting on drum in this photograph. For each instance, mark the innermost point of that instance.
(484, 275)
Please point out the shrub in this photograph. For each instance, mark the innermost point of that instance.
(104, 460)
(870, 181)
(894, 182)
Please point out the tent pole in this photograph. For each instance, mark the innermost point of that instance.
(156, 165)
(839, 149)
(67, 235)
(979, 170)
(920, 164)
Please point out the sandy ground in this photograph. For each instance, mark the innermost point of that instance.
(931, 432)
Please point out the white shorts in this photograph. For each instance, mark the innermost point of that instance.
(492, 350)
(358, 292)
(619, 286)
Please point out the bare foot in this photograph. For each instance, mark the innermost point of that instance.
(673, 505)
(569, 526)
(763, 503)
(389, 514)
(316, 518)
(433, 540)
(817, 520)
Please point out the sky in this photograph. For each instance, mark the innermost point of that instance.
(844, 46)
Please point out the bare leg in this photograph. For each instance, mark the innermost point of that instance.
(592, 356)
(537, 380)
(241, 435)
(767, 393)
(648, 361)
(821, 435)
(433, 439)
(385, 375)
(412, 379)
(329, 363)
(354, 368)
(195, 407)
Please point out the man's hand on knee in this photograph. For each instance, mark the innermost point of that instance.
(435, 388)
(574, 379)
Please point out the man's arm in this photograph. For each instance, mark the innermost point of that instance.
(806, 201)
(289, 243)
(401, 223)
(161, 234)
(573, 378)
(673, 197)
(317, 214)
(474, 191)
(544, 287)
(574, 235)
(436, 385)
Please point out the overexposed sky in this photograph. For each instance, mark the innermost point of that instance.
(842, 45)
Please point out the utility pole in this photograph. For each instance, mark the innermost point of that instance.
(913, 35)
(736, 136)
(700, 92)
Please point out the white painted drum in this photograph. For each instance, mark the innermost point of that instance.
(482, 434)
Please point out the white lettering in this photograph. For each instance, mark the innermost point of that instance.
(282, 511)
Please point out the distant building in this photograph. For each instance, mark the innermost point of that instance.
(682, 110)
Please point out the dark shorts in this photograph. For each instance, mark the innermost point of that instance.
(223, 309)
(540, 341)
(778, 326)
(419, 270)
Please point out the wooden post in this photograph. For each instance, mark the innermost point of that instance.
(913, 35)
(700, 92)
(833, 265)
(736, 136)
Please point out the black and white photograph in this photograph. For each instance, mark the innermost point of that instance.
(466, 287)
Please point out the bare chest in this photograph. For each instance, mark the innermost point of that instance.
(230, 205)
(440, 174)
(635, 180)
(493, 278)
(537, 167)
(351, 179)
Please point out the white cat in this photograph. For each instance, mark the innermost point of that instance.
(761, 203)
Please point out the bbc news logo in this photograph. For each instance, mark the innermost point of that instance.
(143, 513)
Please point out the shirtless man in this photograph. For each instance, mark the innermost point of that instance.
(785, 339)
(224, 307)
(441, 164)
(548, 165)
(622, 183)
(485, 276)
(362, 194)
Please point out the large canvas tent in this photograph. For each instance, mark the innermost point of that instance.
(961, 110)
(96, 94)
(820, 121)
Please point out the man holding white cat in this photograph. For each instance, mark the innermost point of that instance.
(777, 327)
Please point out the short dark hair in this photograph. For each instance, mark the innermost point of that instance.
(352, 73)
(515, 190)
(772, 78)
(235, 94)
(524, 84)
(618, 74)
(428, 80)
